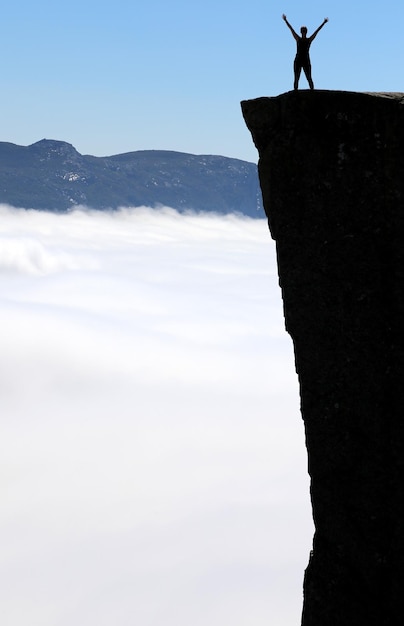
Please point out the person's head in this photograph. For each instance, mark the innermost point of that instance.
(303, 30)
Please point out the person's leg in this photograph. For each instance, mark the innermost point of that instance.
(307, 71)
(297, 69)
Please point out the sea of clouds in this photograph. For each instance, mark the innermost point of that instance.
(153, 467)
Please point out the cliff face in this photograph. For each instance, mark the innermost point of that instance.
(331, 170)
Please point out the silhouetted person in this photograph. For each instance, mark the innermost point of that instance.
(302, 59)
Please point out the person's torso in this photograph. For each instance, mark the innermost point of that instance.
(303, 45)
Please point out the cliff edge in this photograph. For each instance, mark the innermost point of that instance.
(331, 167)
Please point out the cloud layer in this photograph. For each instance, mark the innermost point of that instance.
(153, 462)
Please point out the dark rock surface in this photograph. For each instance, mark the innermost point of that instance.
(52, 175)
(332, 175)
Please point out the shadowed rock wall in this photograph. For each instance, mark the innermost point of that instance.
(332, 175)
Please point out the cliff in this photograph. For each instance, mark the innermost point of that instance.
(331, 167)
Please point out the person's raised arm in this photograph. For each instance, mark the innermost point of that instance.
(318, 29)
(295, 35)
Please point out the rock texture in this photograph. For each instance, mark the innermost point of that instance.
(51, 175)
(331, 169)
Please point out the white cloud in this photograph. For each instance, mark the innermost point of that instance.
(154, 469)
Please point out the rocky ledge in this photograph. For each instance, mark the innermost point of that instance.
(331, 168)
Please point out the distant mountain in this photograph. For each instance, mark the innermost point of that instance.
(52, 175)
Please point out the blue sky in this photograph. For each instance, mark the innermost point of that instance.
(112, 77)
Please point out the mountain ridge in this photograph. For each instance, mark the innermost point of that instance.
(52, 175)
